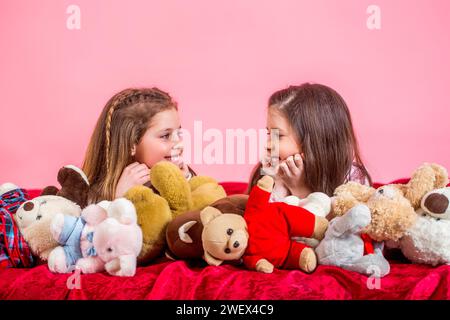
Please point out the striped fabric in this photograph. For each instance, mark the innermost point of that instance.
(14, 251)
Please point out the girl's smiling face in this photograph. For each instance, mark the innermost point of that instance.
(287, 144)
(162, 140)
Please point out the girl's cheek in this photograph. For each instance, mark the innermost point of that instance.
(283, 151)
(287, 150)
(151, 153)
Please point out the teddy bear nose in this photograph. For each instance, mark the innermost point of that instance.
(28, 206)
(436, 203)
(236, 244)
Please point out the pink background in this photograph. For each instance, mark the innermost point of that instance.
(221, 60)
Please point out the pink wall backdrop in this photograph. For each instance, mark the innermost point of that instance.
(221, 60)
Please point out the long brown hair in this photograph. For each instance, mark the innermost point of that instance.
(322, 123)
(121, 125)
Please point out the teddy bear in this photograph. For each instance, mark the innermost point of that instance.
(271, 225)
(171, 195)
(367, 217)
(14, 250)
(97, 240)
(34, 216)
(428, 240)
(207, 234)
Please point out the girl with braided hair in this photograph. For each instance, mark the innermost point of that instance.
(137, 128)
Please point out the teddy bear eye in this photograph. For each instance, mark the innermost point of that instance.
(109, 249)
(381, 191)
(230, 232)
(227, 250)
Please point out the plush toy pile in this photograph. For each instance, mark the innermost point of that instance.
(100, 239)
(172, 196)
(194, 219)
(57, 226)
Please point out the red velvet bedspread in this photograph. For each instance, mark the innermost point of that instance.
(183, 280)
(178, 280)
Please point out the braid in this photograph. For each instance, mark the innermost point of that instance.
(108, 134)
(123, 98)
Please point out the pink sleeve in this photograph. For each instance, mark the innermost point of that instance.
(356, 175)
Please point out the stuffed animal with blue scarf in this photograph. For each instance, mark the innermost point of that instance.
(100, 239)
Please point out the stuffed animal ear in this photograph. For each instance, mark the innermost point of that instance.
(208, 214)
(425, 179)
(123, 210)
(232, 204)
(94, 214)
(348, 195)
(183, 231)
(441, 175)
(360, 192)
(74, 185)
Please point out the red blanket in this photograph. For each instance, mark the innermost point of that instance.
(181, 280)
(178, 280)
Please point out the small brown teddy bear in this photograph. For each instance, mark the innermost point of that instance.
(366, 217)
(215, 234)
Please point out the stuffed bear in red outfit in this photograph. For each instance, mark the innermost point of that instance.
(271, 227)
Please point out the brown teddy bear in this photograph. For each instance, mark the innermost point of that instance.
(365, 217)
(174, 195)
(206, 234)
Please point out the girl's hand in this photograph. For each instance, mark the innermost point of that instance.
(268, 167)
(186, 172)
(183, 167)
(133, 175)
(291, 172)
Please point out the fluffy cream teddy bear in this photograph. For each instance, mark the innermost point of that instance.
(34, 216)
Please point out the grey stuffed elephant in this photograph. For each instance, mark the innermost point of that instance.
(343, 246)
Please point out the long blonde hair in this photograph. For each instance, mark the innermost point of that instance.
(122, 123)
